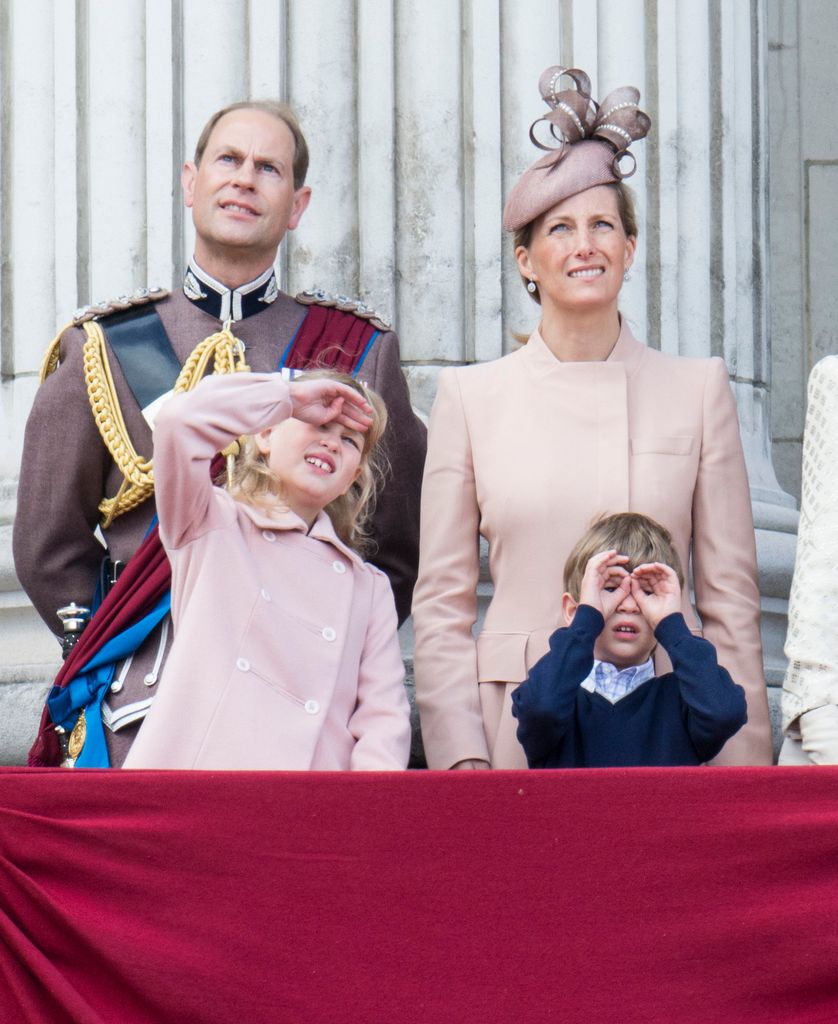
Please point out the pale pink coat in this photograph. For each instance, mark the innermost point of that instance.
(527, 450)
(285, 653)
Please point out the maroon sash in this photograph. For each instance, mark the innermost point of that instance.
(327, 338)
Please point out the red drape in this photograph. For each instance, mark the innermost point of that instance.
(599, 897)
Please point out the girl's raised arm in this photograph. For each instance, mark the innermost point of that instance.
(191, 429)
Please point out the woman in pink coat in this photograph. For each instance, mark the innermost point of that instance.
(581, 421)
(285, 653)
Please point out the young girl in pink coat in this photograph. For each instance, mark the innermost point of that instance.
(285, 653)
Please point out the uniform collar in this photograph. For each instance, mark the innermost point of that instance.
(225, 303)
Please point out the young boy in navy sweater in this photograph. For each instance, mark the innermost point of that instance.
(593, 700)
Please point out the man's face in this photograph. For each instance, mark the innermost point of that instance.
(242, 195)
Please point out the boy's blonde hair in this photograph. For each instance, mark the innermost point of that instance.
(253, 483)
(632, 534)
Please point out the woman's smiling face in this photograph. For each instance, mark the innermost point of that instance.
(579, 252)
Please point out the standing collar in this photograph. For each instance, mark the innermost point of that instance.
(627, 351)
(281, 518)
(225, 303)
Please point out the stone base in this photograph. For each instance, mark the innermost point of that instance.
(30, 662)
(21, 704)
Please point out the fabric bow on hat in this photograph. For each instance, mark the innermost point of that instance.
(575, 115)
(591, 140)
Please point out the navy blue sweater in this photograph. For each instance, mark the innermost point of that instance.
(684, 717)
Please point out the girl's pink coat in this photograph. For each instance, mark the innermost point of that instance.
(285, 653)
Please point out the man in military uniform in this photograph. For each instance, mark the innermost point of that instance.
(88, 444)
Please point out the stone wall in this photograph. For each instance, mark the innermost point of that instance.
(803, 212)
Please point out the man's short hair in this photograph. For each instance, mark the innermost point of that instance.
(632, 534)
(282, 112)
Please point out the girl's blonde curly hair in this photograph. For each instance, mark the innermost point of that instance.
(253, 483)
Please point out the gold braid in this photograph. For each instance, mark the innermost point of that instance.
(49, 364)
(222, 348)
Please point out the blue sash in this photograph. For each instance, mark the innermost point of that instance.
(87, 689)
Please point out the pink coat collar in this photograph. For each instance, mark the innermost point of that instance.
(628, 350)
(285, 519)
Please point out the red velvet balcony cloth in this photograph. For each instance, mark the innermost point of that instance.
(599, 897)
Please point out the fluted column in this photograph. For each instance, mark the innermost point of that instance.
(708, 274)
(36, 66)
(322, 80)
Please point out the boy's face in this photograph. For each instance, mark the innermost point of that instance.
(626, 639)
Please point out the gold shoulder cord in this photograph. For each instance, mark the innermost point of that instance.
(223, 348)
(49, 364)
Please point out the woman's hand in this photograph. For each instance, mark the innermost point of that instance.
(472, 762)
(321, 400)
(819, 734)
(656, 590)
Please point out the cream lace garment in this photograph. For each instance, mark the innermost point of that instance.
(812, 640)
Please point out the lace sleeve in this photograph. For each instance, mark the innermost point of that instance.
(812, 640)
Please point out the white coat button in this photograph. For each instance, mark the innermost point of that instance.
(339, 567)
(312, 707)
(265, 595)
(269, 536)
(243, 665)
(328, 634)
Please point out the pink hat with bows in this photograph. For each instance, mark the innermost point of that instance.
(591, 141)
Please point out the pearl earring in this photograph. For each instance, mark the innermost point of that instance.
(531, 287)
(626, 275)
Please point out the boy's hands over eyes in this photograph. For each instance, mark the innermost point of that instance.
(656, 590)
(605, 582)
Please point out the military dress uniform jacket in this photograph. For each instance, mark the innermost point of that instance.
(527, 451)
(286, 654)
(66, 470)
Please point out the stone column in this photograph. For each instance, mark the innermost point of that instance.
(707, 269)
(35, 67)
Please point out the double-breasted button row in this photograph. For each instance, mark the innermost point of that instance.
(311, 707)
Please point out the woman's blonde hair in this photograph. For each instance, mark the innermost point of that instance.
(253, 483)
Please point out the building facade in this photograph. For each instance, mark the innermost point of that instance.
(417, 116)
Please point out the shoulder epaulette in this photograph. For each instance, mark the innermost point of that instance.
(318, 297)
(93, 312)
(99, 309)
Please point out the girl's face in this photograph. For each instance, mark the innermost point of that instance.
(579, 252)
(312, 465)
